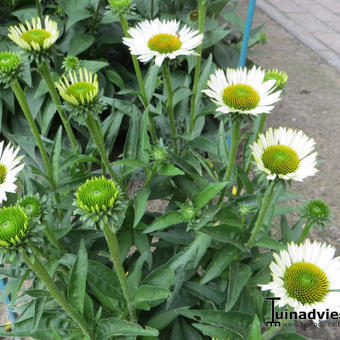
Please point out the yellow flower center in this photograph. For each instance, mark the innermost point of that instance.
(3, 173)
(280, 159)
(80, 90)
(306, 282)
(164, 43)
(36, 35)
(240, 97)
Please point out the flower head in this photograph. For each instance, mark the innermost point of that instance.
(120, 6)
(161, 39)
(285, 153)
(70, 64)
(31, 205)
(34, 37)
(242, 91)
(305, 277)
(13, 226)
(10, 67)
(98, 200)
(280, 78)
(10, 166)
(317, 212)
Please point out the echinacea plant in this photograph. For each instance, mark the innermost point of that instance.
(122, 203)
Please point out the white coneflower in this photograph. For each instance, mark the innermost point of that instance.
(80, 88)
(10, 166)
(285, 153)
(161, 39)
(242, 91)
(33, 36)
(305, 277)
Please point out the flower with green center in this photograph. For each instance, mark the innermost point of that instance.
(13, 226)
(280, 78)
(70, 64)
(34, 37)
(10, 67)
(120, 6)
(305, 277)
(99, 199)
(10, 166)
(31, 205)
(161, 39)
(285, 154)
(80, 88)
(242, 91)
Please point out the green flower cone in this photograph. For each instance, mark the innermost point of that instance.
(10, 68)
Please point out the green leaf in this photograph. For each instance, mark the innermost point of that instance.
(209, 192)
(255, 331)
(216, 332)
(93, 65)
(115, 78)
(37, 293)
(77, 282)
(248, 184)
(141, 198)
(171, 218)
(76, 11)
(113, 327)
(151, 80)
(239, 275)
(170, 170)
(39, 306)
(219, 263)
(56, 151)
(151, 293)
(80, 43)
(211, 38)
(289, 336)
(270, 243)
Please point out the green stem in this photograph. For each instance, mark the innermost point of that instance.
(305, 232)
(112, 242)
(46, 74)
(21, 97)
(262, 214)
(235, 141)
(125, 26)
(98, 138)
(201, 18)
(167, 82)
(150, 175)
(38, 6)
(42, 273)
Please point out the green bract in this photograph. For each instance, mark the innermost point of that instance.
(13, 226)
(10, 67)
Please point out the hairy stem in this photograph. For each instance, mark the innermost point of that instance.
(262, 214)
(167, 83)
(21, 97)
(42, 273)
(305, 232)
(201, 18)
(112, 242)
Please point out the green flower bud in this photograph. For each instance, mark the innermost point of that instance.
(317, 212)
(159, 154)
(10, 67)
(70, 63)
(31, 205)
(244, 209)
(280, 77)
(13, 226)
(120, 6)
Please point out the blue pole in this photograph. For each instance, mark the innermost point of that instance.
(7, 301)
(245, 43)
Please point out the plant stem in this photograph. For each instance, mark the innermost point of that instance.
(42, 273)
(46, 74)
(98, 138)
(262, 214)
(235, 141)
(201, 18)
(125, 26)
(38, 6)
(305, 232)
(21, 97)
(112, 242)
(167, 82)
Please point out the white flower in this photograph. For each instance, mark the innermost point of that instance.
(285, 153)
(33, 36)
(10, 166)
(242, 91)
(81, 87)
(161, 39)
(305, 277)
